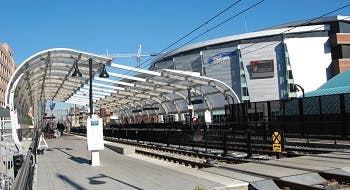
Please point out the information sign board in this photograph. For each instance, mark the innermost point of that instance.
(94, 133)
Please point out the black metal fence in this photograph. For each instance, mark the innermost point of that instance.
(321, 116)
(250, 126)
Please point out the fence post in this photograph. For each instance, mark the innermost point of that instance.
(335, 136)
(167, 138)
(342, 115)
(224, 143)
(249, 143)
(266, 118)
(301, 116)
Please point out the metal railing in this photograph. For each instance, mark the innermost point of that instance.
(24, 178)
(7, 152)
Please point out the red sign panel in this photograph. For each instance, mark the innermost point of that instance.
(262, 68)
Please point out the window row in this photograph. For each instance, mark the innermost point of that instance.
(3, 81)
(4, 58)
(4, 71)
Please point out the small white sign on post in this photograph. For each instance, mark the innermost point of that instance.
(94, 134)
(190, 107)
(207, 116)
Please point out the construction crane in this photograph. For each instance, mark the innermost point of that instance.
(138, 55)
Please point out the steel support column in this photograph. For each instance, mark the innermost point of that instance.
(90, 89)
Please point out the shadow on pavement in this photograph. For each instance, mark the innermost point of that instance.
(80, 160)
(96, 180)
(72, 183)
(77, 159)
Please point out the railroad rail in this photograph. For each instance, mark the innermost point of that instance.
(201, 159)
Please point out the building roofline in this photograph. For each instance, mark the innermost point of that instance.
(285, 28)
(251, 35)
(311, 21)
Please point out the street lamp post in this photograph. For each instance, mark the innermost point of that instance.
(77, 73)
(229, 107)
(90, 88)
(94, 134)
(228, 101)
(190, 108)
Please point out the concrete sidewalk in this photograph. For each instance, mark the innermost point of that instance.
(66, 165)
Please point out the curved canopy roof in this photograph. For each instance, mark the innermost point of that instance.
(47, 75)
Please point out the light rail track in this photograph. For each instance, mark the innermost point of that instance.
(200, 159)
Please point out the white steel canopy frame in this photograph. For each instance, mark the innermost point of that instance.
(47, 76)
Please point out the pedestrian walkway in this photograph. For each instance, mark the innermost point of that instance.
(66, 165)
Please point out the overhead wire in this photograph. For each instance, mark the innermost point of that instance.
(253, 44)
(292, 36)
(287, 30)
(212, 28)
(291, 28)
(276, 42)
(192, 31)
(234, 16)
(197, 28)
(304, 23)
(200, 26)
(221, 23)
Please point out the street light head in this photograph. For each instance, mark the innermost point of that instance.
(104, 73)
(76, 72)
(297, 87)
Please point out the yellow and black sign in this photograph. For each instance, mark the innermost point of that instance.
(276, 142)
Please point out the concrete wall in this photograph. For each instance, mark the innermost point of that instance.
(267, 88)
(309, 59)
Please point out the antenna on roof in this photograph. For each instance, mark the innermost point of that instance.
(138, 55)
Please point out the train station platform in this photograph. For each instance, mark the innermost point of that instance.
(66, 165)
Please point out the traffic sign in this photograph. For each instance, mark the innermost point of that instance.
(276, 147)
(276, 137)
(276, 142)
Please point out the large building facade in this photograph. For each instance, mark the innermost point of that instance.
(266, 65)
(7, 68)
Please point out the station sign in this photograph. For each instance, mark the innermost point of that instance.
(94, 133)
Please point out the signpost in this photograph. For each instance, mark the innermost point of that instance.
(277, 143)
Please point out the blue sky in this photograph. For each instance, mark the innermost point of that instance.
(119, 26)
